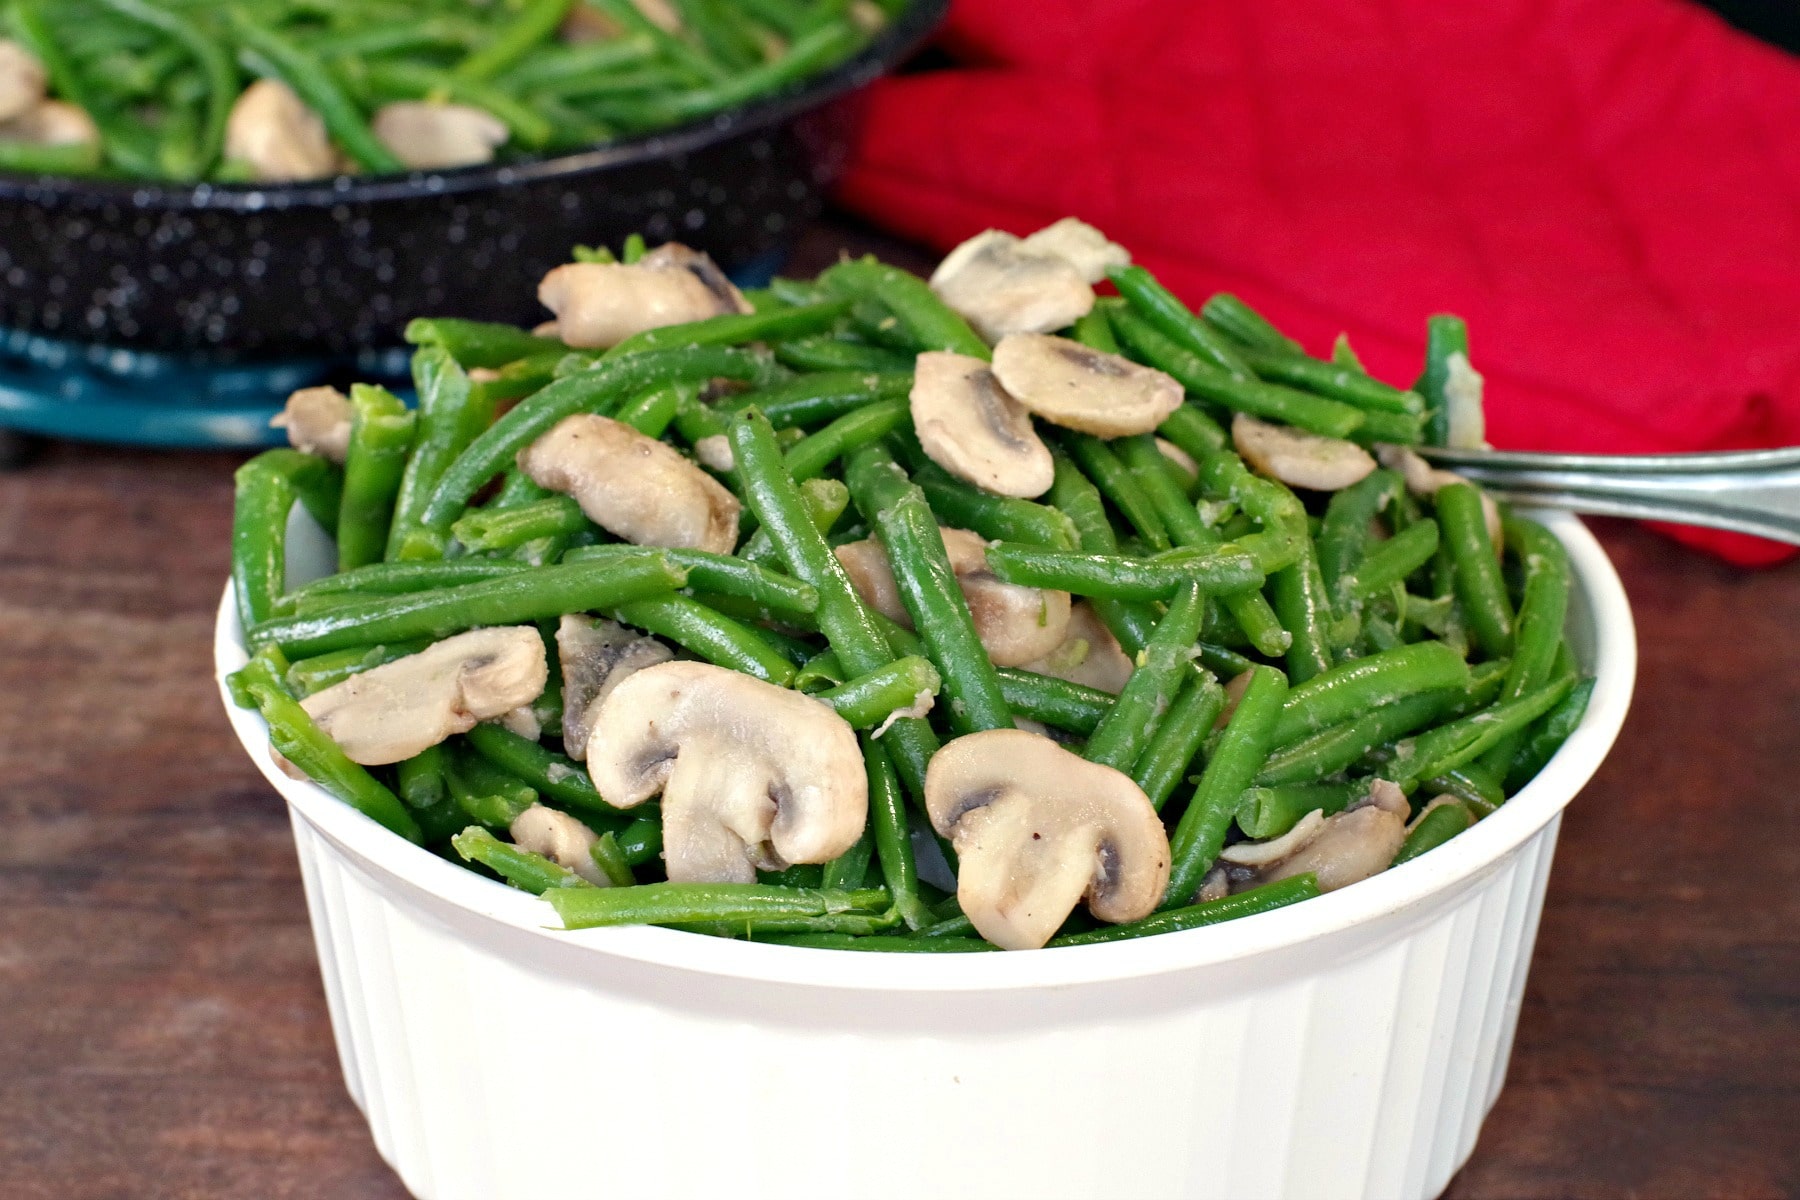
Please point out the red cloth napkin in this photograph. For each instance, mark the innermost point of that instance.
(1608, 191)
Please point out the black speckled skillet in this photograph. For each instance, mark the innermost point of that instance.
(326, 268)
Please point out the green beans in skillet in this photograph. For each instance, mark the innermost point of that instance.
(623, 591)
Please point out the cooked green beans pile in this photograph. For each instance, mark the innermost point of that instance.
(828, 620)
(273, 90)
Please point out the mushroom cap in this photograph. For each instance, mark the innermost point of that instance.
(751, 775)
(428, 135)
(272, 130)
(1002, 288)
(599, 305)
(1347, 848)
(1089, 654)
(1037, 828)
(1298, 458)
(1015, 624)
(1078, 387)
(317, 420)
(23, 80)
(635, 487)
(596, 657)
(52, 123)
(1081, 245)
(969, 426)
(560, 838)
(392, 712)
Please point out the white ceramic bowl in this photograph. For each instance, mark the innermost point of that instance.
(1348, 1046)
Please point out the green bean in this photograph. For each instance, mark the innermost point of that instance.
(1404, 429)
(880, 943)
(1346, 529)
(1125, 488)
(641, 841)
(598, 388)
(927, 586)
(1094, 330)
(1364, 684)
(610, 858)
(451, 414)
(1240, 754)
(483, 530)
(216, 68)
(822, 397)
(1245, 325)
(825, 500)
(1337, 747)
(1052, 701)
(510, 599)
(1392, 562)
(488, 794)
(823, 354)
(1171, 318)
(1450, 746)
(1266, 898)
(524, 870)
(930, 321)
(651, 413)
(29, 158)
(710, 635)
(1332, 381)
(271, 53)
(557, 776)
(1074, 495)
(1120, 577)
(1470, 783)
(680, 903)
(1193, 431)
(309, 675)
(891, 834)
(994, 517)
(722, 39)
(393, 579)
(1296, 594)
(381, 438)
(1433, 829)
(870, 699)
(734, 329)
(849, 432)
(1445, 335)
(420, 778)
(536, 22)
(265, 495)
(1539, 630)
(480, 343)
(1162, 670)
(294, 736)
(1269, 812)
(1479, 587)
(1546, 737)
(808, 54)
(723, 573)
(1178, 738)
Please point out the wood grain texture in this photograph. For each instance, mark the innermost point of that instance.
(163, 1030)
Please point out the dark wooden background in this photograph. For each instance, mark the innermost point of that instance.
(163, 1031)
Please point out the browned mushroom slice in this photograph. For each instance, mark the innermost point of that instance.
(428, 135)
(22, 80)
(1297, 458)
(1036, 829)
(752, 776)
(560, 838)
(969, 426)
(675, 257)
(1075, 386)
(599, 305)
(596, 657)
(1016, 624)
(273, 132)
(317, 420)
(392, 712)
(635, 487)
(1001, 288)
(1080, 245)
(1089, 654)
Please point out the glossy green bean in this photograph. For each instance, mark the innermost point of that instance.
(1170, 317)
(1245, 325)
(557, 776)
(810, 456)
(652, 412)
(710, 635)
(1267, 898)
(1364, 684)
(726, 574)
(480, 343)
(1125, 487)
(1269, 812)
(1538, 632)
(265, 496)
(1391, 562)
(1332, 380)
(912, 302)
(1121, 577)
(891, 834)
(534, 23)
(734, 329)
(1163, 669)
(393, 579)
(1339, 746)
(868, 700)
(1450, 746)
(1433, 829)
(1546, 737)
(1479, 586)
(961, 506)
(217, 71)
(308, 675)
(1182, 731)
(825, 500)
(825, 396)
(1445, 335)
(381, 438)
(524, 870)
(271, 53)
(483, 530)
(489, 794)
(1346, 529)
(680, 903)
(823, 354)
(1297, 595)
(1053, 701)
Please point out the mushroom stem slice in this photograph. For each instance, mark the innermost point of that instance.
(271, 129)
(599, 305)
(394, 711)
(1037, 828)
(560, 838)
(1347, 848)
(751, 775)
(1002, 288)
(635, 487)
(1297, 458)
(596, 657)
(23, 80)
(317, 420)
(1080, 245)
(969, 426)
(1078, 387)
(427, 135)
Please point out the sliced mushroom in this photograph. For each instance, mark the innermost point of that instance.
(1037, 828)
(715, 452)
(1463, 388)
(1297, 458)
(1080, 245)
(22, 80)
(1423, 479)
(1215, 885)
(1348, 848)
(560, 838)
(1089, 654)
(660, 13)
(1261, 854)
(751, 775)
(1016, 624)
(1179, 457)
(586, 24)
(1002, 288)
(392, 712)
(272, 131)
(317, 420)
(1078, 387)
(598, 305)
(523, 721)
(52, 123)
(635, 487)
(969, 426)
(596, 657)
(429, 135)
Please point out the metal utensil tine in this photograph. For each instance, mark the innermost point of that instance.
(1733, 461)
(1758, 523)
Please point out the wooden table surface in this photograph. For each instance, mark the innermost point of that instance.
(163, 1030)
